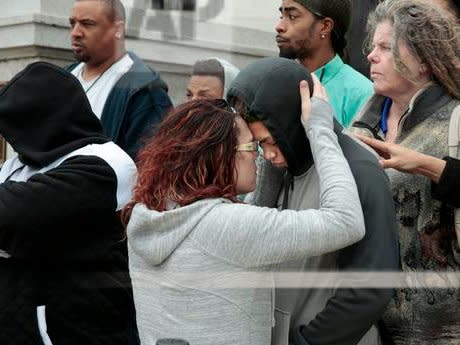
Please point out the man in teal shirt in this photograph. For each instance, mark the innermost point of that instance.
(313, 32)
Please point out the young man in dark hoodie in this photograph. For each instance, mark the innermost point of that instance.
(63, 257)
(266, 94)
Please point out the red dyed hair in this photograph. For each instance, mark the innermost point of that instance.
(191, 157)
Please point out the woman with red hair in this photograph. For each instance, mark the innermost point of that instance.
(192, 244)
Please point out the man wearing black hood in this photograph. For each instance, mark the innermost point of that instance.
(63, 262)
(266, 93)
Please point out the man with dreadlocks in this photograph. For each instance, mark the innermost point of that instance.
(314, 33)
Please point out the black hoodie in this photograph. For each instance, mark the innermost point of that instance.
(63, 260)
(270, 89)
(43, 115)
(266, 87)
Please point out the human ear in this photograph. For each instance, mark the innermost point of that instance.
(326, 27)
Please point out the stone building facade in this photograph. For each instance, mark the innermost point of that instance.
(170, 38)
(170, 35)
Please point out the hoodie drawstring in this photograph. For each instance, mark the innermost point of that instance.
(288, 183)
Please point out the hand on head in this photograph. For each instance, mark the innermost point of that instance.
(318, 91)
(318, 88)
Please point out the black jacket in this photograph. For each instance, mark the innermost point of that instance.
(63, 260)
(448, 187)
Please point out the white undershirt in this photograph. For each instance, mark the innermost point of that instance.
(98, 89)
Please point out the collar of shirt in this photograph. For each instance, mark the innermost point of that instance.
(329, 70)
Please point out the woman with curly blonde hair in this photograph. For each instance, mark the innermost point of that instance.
(415, 66)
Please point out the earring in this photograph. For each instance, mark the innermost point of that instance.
(323, 36)
(422, 68)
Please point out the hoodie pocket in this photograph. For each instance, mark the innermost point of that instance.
(42, 326)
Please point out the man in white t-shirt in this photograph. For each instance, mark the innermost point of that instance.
(125, 94)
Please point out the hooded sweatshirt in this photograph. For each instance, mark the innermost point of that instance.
(230, 73)
(63, 263)
(194, 268)
(270, 89)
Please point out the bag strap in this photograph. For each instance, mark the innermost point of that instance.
(453, 141)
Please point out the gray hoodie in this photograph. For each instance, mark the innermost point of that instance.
(191, 265)
(230, 73)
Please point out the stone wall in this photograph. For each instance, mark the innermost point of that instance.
(169, 40)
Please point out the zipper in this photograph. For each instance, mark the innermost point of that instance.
(409, 109)
(401, 122)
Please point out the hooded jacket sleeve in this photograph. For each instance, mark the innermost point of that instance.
(145, 110)
(350, 312)
(252, 236)
(447, 190)
(269, 183)
(52, 211)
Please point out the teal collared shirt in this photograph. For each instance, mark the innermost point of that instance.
(347, 89)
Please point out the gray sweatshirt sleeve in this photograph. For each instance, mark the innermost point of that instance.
(269, 183)
(251, 236)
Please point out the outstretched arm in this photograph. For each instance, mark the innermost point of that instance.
(263, 236)
(406, 160)
(443, 173)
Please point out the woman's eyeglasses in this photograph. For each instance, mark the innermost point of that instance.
(253, 146)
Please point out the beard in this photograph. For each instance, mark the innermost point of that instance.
(81, 53)
(288, 53)
(81, 57)
(301, 50)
